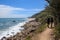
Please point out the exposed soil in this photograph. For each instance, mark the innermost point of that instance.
(47, 34)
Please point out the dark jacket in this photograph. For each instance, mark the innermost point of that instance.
(49, 20)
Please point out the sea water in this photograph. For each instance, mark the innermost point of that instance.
(11, 26)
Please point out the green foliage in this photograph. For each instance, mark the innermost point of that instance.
(41, 28)
(28, 38)
(54, 5)
(41, 16)
(57, 32)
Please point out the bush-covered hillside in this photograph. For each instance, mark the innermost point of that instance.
(53, 9)
(42, 16)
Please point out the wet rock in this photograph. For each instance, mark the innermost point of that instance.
(14, 21)
(4, 38)
(29, 28)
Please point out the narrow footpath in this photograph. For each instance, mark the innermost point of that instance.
(47, 34)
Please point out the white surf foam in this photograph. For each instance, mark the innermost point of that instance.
(13, 30)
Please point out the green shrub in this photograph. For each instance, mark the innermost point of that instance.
(57, 32)
(41, 28)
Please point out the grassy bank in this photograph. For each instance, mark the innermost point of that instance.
(38, 30)
(40, 17)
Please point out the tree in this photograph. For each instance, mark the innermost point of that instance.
(54, 5)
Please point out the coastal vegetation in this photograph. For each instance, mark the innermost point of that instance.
(40, 29)
(40, 17)
(54, 5)
(52, 10)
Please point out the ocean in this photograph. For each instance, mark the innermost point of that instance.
(10, 26)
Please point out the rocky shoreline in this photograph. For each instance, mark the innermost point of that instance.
(29, 28)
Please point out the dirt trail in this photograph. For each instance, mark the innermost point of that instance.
(45, 35)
